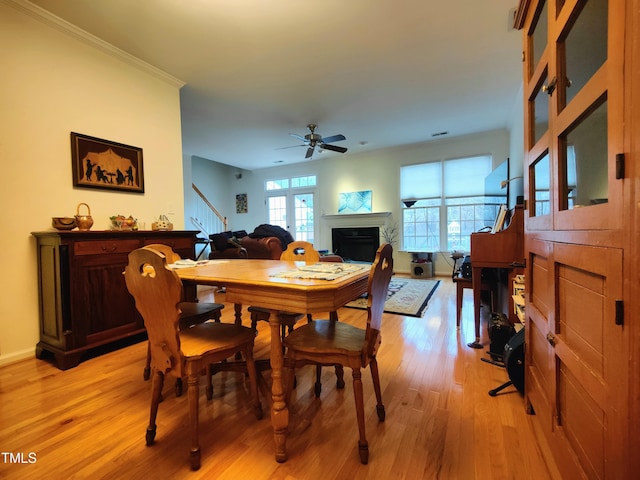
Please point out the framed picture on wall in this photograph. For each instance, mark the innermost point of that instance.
(241, 203)
(355, 202)
(98, 163)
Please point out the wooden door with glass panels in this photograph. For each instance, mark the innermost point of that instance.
(576, 344)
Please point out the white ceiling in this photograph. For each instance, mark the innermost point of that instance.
(384, 73)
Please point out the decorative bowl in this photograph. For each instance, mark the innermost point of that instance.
(63, 223)
(120, 222)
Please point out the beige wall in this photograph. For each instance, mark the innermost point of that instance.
(52, 83)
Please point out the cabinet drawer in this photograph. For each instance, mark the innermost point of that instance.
(103, 247)
(174, 243)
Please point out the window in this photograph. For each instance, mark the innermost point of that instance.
(290, 205)
(444, 202)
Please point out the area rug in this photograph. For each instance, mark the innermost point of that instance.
(406, 296)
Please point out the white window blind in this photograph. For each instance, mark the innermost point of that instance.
(464, 177)
(421, 181)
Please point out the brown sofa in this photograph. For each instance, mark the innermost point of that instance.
(269, 248)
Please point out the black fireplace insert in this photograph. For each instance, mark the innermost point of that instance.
(356, 244)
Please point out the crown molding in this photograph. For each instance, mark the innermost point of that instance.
(63, 26)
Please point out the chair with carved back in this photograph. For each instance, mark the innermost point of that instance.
(189, 352)
(191, 314)
(299, 251)
(324, 342)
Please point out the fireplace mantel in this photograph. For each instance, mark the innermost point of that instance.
(357, 216)
(379, 219)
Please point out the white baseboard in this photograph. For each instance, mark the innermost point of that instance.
(17, 356)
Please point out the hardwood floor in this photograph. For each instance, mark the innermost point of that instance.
(90, 421)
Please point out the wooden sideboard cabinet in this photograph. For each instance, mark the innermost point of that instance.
(84, 302)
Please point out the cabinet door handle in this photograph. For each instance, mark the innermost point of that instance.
(112, 248)
(551, 338)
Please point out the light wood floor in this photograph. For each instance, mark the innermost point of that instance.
(90, 421)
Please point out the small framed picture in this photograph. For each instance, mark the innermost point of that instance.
(98, 163)
(241, 203)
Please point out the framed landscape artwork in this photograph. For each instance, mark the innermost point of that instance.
(98, 163)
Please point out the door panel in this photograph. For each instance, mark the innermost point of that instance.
(589, 355)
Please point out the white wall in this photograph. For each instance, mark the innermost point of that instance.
(378, 171)
(53, 83)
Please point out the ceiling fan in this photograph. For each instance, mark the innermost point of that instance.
(311, 140)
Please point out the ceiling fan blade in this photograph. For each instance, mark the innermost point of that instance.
(291, 146)
(309, 152)
(333, 138)
(333, 148)
(299, 137)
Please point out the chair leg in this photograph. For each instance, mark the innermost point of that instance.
(146, 374)
(156, 395)
(288, 375)
(317, 388)
(363, 446)
(375, 376)
(254, 322)
(209, 388)
(333, 316)
(459, 295)
(192, 394)
(339, 376)
(253, 381)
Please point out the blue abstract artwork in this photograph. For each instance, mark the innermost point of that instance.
(355, 202)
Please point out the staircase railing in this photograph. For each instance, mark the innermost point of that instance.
(207, 218)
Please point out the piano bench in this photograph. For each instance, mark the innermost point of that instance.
(461, 284)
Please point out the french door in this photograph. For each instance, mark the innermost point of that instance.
(293, 212)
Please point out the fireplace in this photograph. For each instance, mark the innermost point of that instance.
(356, 244)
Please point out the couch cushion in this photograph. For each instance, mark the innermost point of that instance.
(220, 241)
(265, 230)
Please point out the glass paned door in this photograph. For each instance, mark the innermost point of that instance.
(304, 218)
(277, 211)
(295, 213)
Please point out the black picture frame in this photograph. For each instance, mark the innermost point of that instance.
(98, 163)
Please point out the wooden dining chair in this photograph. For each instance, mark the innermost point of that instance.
(191, 313)
(324, 342)
(157, 291)
(299, 251)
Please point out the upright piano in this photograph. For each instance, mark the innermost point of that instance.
(501, 250)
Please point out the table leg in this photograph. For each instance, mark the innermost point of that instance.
(476, 283)
(279, 410)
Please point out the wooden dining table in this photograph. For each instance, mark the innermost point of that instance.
(280, 286)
